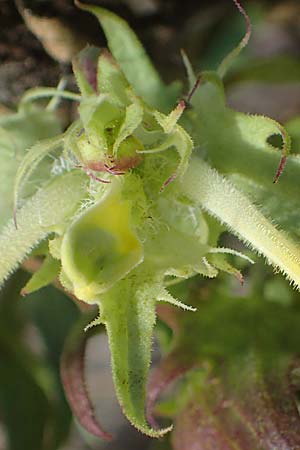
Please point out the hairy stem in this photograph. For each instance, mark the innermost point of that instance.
(221, 199)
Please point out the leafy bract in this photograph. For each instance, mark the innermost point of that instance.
(221, 199)
(31, 160)
(253, 158)
(230, 414)
(21, 377)
(133, 118)
(18, 131)
(30, 379)
(132, 58)
(45, 275)
(127, 207)
(43, 309)
(73, 377)
(128, 312)
(242, 394)
(42, 214)
(100, 247)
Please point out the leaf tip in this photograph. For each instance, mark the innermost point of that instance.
(15, 218)
(73, 379)
(280, 168)
(78, 4)
(225, 64)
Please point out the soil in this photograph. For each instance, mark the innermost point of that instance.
(161, 25)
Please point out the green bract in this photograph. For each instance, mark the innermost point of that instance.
(100, 247)
(124, 205)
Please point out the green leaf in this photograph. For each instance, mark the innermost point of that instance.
(241, 390)
(278, 69)
(18, 132)
(21, 389)
(293, 129)
(29, 125)
(133, 118)
(176, 137)
(26, 381)
(31, 160)
(85, 70)
(283, 210)
(219, 197)
(42, 214)
(189, 70)
(132, 58)
(111, 79)
(238, 145)
(47, 273)
(100, 247)
(228, 139)
(200, 341)
(53, 314)
(128, 312)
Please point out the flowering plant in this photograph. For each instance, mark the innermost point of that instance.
(139, 191)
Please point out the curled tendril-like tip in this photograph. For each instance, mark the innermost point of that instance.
(247, 20)
(180, 108)
(280, 168)
(285, 151)
(73, 378)
(240, 277)
(246, 38)
(236, 51)
(194, 88)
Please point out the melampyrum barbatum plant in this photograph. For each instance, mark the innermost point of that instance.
(133, 201)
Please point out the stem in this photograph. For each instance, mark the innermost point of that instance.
(54, 102)
(37, 93)
(42, 214)
(216, 194)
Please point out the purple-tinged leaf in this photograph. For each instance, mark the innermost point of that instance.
(171, 368)
(133, 60)
(85, 70)
(73, 378)
(242, 408)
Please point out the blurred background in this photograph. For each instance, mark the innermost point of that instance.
(38, 39)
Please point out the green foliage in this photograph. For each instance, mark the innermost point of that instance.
(18, 132)
(37, 218)
(45, 275)
(207, 186)
(133, 60)
(123, 219)
(129, 326)
(100, 248)
(240, 393)
(31, 389)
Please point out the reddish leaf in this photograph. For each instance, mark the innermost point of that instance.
(170, 369)
(241, 409)
(85, 68)
(73, 378)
